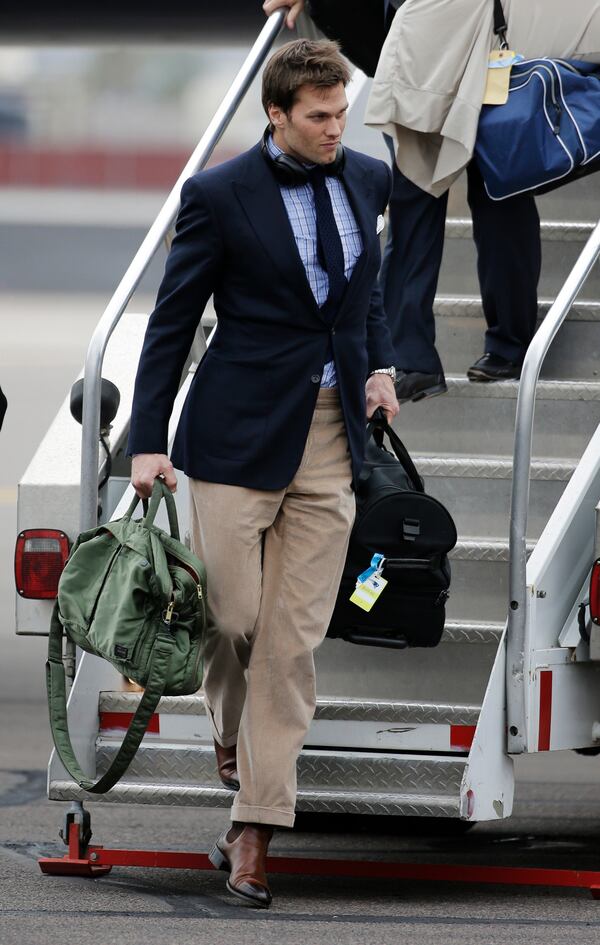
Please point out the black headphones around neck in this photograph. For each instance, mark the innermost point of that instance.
(291, 172)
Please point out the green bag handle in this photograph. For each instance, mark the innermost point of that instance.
(159, 491)
(57, 705)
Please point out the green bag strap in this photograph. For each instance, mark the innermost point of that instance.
(159, 492)
(57, 706)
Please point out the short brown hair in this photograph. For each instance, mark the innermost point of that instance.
(302, 62)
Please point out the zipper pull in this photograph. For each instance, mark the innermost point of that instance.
(168, 613)
(200, 595)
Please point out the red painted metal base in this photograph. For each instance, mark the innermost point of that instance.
(79, 861)
(97, 861)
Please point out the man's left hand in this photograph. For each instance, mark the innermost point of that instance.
(381, 393)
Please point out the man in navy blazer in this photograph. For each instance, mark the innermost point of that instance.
(286, 239)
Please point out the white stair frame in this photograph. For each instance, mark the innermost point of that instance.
(557, 572)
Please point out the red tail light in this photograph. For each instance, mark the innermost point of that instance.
(40, 557)
(595, 593)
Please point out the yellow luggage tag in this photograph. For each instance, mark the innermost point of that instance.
(500, 66)
(369, 584)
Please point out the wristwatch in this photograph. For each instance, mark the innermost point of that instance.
(390, 371)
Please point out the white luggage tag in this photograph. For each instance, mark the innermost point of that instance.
(370, 584)
(500, 66)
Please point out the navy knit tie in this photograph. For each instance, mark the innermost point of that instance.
(331, 253)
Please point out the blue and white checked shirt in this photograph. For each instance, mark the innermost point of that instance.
(299, 203)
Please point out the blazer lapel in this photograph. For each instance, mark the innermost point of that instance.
(358, 188)
(260, 197)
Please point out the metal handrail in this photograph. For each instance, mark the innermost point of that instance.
(88, 509)
(517, 613)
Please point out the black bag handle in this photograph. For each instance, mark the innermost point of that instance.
(500, 26)
(378, 423)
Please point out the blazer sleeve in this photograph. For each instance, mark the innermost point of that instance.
(191, 271)
(380, 349)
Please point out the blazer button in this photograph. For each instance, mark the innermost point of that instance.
(315, 378)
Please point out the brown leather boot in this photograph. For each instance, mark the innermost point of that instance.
(227, 766)
(242, 852)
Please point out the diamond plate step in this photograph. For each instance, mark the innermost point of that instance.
(562, 245)
(460, 326)
(350, 724)
(362, 772)
(491, 467)
(479, 549)
(480, 579)
(469, 306)
(328, 709)
(553, 231)
(477, 491)
(478, 419)
(328, 781)
(460, 631)
(450, 673)
(316, 802)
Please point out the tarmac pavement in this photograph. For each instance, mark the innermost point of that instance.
(556, 823)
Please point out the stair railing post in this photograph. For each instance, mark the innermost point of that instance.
(88, 508)
(517, 639)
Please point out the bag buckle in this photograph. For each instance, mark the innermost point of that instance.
(411, 529)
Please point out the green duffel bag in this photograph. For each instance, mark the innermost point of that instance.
(135, 596)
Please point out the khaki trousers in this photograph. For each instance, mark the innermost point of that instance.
(274, 560)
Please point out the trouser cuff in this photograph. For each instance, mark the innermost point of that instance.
(505, 349)
(262, 815)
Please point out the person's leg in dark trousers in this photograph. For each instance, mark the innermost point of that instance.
(507, 237)
(409, 277)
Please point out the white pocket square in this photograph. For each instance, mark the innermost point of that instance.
(380, 223)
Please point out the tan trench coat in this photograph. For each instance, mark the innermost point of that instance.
(429, 84)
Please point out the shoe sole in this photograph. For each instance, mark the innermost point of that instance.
(422, 394)
(249, 900)
(220, 862)
(479, 377)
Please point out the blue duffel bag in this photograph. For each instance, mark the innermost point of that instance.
(547, 134)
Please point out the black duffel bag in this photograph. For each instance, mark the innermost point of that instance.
(414, 532)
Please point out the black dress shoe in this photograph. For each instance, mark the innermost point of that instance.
(413, 385)
(491, 367)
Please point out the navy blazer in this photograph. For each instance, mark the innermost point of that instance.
(247, 414)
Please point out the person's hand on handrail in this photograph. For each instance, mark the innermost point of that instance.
(296, 7)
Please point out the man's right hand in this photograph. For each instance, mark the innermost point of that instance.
(296, 7)
(145, 467)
